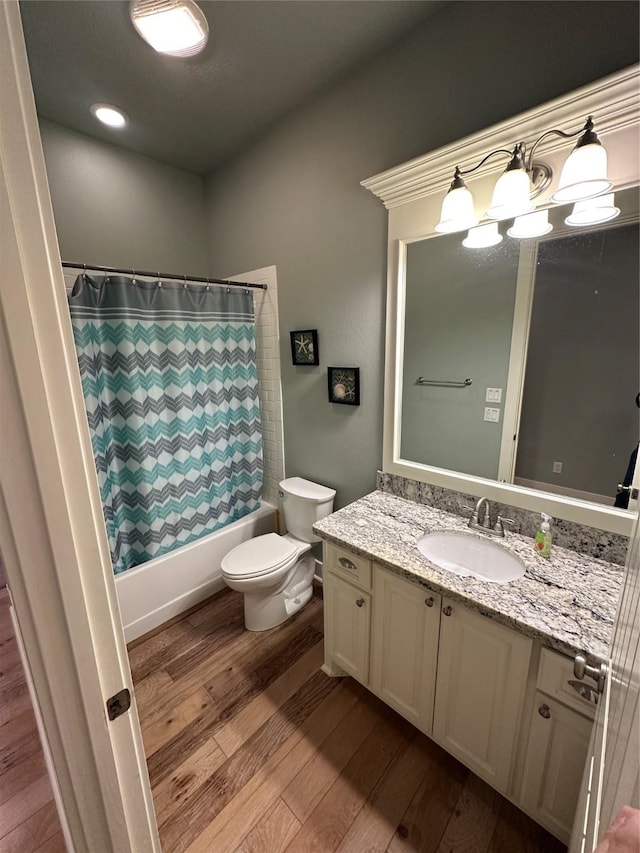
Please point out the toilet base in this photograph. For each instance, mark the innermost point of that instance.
(264, 611)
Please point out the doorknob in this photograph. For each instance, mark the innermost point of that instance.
(597, 673)
(633, 493)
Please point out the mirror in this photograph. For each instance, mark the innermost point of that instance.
(520, 361)
(507, 320)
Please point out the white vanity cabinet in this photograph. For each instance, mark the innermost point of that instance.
(557, 747)
(470, 683)
(404, 642)
(482, 678)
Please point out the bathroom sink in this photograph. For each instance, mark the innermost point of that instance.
(467, 555)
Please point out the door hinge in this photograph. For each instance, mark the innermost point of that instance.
(118, 704)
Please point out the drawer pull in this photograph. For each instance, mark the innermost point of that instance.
(347, 564)
(544, 711)
(447, 610)
(429, 601)
(360, 602)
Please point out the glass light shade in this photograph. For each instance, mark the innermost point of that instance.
(584, 175)
(109, 115)
(511, 195)
(175, 27)
(591, 211)
(531, 225)
(457, 212)
(483, 236)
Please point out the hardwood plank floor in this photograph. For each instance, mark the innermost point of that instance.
(252, 749)
(28, 817)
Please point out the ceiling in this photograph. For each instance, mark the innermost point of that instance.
(264, 58)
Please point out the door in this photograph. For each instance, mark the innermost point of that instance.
(556, 752)
(482, 675)
(404, 636)
(612, 776)
(348, 618)
(51, 528)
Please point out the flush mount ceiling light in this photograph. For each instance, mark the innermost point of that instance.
(111, 116)
(175, 27)
(583, 176)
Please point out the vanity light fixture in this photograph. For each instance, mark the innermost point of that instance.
(483, 236)
(593, 211)
(583, 176)
(534, 224)
(175, 27)
(111, 116)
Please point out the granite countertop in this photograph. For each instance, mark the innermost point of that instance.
(567, 601)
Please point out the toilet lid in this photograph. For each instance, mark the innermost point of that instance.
(258, 556)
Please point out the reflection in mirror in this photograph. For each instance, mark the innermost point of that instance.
(548, 333)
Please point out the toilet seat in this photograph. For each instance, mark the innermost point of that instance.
(257, 557)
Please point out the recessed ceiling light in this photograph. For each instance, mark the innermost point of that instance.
(109, 115)
(176, 27)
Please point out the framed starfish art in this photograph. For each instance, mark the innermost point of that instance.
(304, 347)
(344, 385)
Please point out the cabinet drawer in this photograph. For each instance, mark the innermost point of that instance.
(554, 675)
(349, 566)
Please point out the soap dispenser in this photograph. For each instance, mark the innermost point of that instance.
(543, 536)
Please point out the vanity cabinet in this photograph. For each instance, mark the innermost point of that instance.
(482, 678)
(472, 684)
(557, 747)
(405, 629)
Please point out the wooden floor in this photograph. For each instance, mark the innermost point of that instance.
(28, 817)
(251, 748)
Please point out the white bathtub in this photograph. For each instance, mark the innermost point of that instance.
(156, 591)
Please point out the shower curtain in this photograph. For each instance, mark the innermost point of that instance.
(170, 386)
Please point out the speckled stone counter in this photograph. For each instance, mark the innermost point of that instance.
(568, 601)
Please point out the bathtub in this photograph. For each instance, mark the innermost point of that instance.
(154, 592)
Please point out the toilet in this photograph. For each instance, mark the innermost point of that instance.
(275, 573)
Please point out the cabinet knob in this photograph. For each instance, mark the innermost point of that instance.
(429, 601)
(447, 610)
(360, 602)
(544, 711)
(346, 564)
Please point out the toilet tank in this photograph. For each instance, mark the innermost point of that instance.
(304, 503)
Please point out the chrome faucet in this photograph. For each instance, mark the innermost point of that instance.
(485, 525)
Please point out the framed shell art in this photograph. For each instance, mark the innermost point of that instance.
(304, 347)
(344, 385)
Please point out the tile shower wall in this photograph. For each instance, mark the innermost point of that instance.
(567, 534)
(269, 386)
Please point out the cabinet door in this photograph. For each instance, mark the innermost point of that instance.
(556, 754)
(347, 627)
(482, 675)
(405, 627)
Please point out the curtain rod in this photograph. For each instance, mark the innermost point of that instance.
(185, 278)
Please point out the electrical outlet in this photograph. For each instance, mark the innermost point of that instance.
(557, 467)
(492, 415)
(493, 395)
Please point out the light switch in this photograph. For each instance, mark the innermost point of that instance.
(493, 395)
(557, 467)
(492, 415)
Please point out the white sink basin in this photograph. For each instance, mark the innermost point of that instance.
(467, 555)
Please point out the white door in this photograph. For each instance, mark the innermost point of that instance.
(404, 646)
(482, 676)
(52, 532)
(348, 620)
(612, 775)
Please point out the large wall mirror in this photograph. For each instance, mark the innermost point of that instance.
(513, 370)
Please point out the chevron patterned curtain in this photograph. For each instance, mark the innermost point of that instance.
(170, 386)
